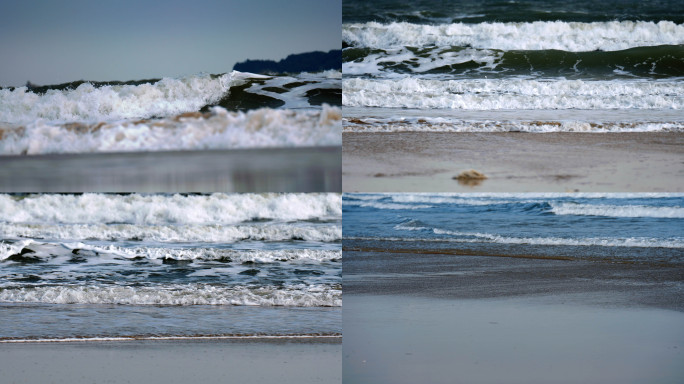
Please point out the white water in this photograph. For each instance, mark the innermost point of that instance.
(509, 94)
(567, 36)
(441, 124)
(616, 211)
(218, 129)
(178, 294)
(218, 208)
(174, 233)
(166, 97)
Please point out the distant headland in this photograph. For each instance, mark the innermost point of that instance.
(302, 62)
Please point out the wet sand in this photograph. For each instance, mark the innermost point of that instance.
(513, 162)
(215, 361)
(310, 169)
(554, 280)
(408, 339)
(473, 318)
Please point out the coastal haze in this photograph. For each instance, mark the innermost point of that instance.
(45, 42)
(170, 280)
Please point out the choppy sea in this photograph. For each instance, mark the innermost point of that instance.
(119, 266)
(203, 111)
(523, 66)
(612, 227)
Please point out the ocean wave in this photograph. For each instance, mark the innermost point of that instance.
(174, 233)
(112, 102)
(645, 62)
(37, 249)
(558, 35)
(470, 11)
(516, 195)
(616, 210)
(496, 94)
(178, 294)
(558, 207)
(442, 124)
(379, 205)
(218, 208)
(87, 102)
(468, 237)
(216, 129)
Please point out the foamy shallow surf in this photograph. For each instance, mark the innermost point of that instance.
(40, 251)
(163, 338)
(216, 129)
(166, 97)
(426, 59)
(559, 35)
(88, 103)
(482, 238)
(113, 265)
(511, 94)
(441, 124)
(153, 209)
(639, 227)
(294, 296)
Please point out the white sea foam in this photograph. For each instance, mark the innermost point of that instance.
(166, 97)
(296, 97)
(9, 249)
(155, 338)
(205, 254)
(516, 195)
(179, 294)
(634, 242)
(567, 36)
(616, 210)
(218, 208)
(218, 129)
(372, 64)
(458, 200)
(441, 124)
(379, 205)
(174, 233)
(497, 94)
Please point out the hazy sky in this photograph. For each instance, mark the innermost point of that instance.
(50, 42)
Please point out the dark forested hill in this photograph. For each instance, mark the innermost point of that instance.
(302, 62)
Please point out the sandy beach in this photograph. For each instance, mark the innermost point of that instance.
(408, 339)
(483, 319)
(513, 162)
(202, 361)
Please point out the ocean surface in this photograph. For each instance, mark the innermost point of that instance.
(513, 66)
(112, 266)
(613, 227)
(486, 287)
(204, 111)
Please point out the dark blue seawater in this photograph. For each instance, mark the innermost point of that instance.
(474, 11)
(516, 56)
(109, 265)
(607, 227)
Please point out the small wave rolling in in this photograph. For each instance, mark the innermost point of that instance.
(231, 110)
(518, 56)
(635, 228)
(175, 265)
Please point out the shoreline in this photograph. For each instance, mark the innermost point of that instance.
(407, 339)
(296, 169)
(513, 162)
(215, 361)
(238, 338)
(464, 277)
